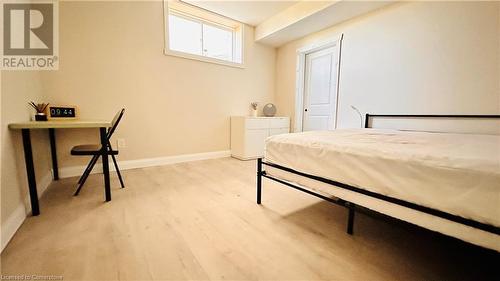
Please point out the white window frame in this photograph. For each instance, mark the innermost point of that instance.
(203, 58)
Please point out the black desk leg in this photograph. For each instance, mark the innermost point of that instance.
(30, 171)
(53, 152)
(105, 163)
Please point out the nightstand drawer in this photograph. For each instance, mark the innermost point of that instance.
(280, 123)
(256, 123)
(249, 134)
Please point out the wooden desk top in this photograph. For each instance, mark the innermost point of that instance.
(64, 124)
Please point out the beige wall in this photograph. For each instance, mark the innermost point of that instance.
(111, 56)
(421, 57)
(19, 87)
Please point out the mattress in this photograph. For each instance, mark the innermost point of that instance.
(455, 173)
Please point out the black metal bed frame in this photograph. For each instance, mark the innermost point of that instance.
(353, 207)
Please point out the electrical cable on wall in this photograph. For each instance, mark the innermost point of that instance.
(359, 113)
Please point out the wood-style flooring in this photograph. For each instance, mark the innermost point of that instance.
(199, 220)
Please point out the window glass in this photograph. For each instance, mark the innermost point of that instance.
(184, 35)
(217, 42)
(197, 34)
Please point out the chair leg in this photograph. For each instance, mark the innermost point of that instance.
(88, 169)
(85, 176)
(118, 171)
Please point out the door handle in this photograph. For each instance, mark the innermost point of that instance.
(305, 110)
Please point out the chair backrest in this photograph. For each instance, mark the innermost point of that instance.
(115, 122)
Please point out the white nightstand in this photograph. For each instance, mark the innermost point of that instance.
(248, 134)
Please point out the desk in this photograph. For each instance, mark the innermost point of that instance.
(25, 128)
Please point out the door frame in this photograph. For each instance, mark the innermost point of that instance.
(301, 72)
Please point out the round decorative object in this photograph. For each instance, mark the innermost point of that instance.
(269, 110)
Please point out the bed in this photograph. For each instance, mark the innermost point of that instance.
(445, 182)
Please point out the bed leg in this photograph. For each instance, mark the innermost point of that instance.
(259, 180)
(350, 220)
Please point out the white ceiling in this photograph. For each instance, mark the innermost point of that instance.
(249, 12)
(335, 13)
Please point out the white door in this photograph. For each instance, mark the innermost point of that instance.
(320, 90)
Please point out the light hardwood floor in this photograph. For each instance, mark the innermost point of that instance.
(199, 220)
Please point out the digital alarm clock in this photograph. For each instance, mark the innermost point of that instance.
(61, 112)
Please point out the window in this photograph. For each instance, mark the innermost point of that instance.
(198, 34)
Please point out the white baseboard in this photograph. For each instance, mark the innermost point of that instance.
(12, 224)
(17, 218)
(74, 171)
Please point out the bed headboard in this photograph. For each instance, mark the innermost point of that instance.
(370, 117)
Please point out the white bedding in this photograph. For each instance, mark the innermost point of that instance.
(455, 173)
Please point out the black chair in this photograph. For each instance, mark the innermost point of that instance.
(94, 150)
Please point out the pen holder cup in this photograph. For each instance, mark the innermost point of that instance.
(40, 117)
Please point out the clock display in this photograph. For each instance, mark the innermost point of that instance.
(62, 112)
